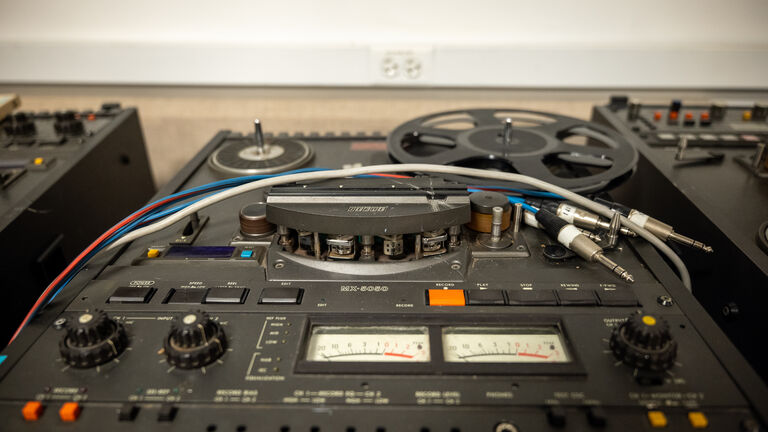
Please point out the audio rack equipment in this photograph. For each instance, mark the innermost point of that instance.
(381, 303)
(51, 165)
(704, 168)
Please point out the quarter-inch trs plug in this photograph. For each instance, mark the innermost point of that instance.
(654, 226)
(578, 216)
(570, 237)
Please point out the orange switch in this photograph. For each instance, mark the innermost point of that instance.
(657, 419)
(657, 115)
(698, 420)
(705, 116)
(153, 253)
(689, 116)
(446, 297)
(32, 410)
(673, 115)
(70, 411)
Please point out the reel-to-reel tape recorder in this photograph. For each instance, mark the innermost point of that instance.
(464, 288)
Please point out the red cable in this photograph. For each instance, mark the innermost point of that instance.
(103, 237)
(82, 255)
(390, 175)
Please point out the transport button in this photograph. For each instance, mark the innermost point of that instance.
(657, 419)
(167, 413)
(556, 416)
(581, 297)
(226, 295)
(70, 411)
(187, 296)
(127, 412)
(446, 297)
(617, 297)
(532, 298)
(131, 295)
(698, 420)
(153, 253)
(32, 410)
(485, 298)
(596, 416)
(246, 254)
(281, 296)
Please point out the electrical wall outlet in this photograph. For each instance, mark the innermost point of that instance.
(401, 65)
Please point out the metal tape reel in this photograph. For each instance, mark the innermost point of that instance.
(575, 154)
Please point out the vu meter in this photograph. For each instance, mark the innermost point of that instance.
(503, 345)
(368, 344)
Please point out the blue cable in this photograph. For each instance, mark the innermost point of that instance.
(163, 211)
(513, 200)
(533, 193)
(528, 207)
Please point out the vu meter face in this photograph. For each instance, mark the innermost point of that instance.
(503, 345)
(368, 344)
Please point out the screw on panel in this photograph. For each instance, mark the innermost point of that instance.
(455, 265)
(664, 300)
(59, 323)
(279, 265)
(505, 427)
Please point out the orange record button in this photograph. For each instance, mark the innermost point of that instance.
(69, 412)
(446, 297)
(32, 410)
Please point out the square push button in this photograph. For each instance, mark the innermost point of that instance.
(485, 298)
(187, 296)
(446, 297)
(532, 298)
(657, 419)
(581, 297)
(281, 296)
(131, 295)
(619, 297)
(226, 295)
(127, 412)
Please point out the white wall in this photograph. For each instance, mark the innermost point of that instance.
(560, 43)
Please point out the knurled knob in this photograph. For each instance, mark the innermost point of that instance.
(92, 339)
(644, 342)
(194, 341)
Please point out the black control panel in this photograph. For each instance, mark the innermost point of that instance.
(709, 178)
(65, 176)
(258, 314)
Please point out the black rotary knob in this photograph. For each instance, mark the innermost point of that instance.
(644, 342)
(92, 339)
(67, 123)
(194, 341)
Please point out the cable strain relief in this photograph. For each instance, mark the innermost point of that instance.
(552, 223)
(550, 206)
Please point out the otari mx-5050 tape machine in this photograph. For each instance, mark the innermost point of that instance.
(453, 276)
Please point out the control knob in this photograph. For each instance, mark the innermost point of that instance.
(194, 341)
(92, 339)
(643, 341)
(68, 123)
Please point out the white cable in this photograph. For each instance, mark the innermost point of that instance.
(439, 169)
